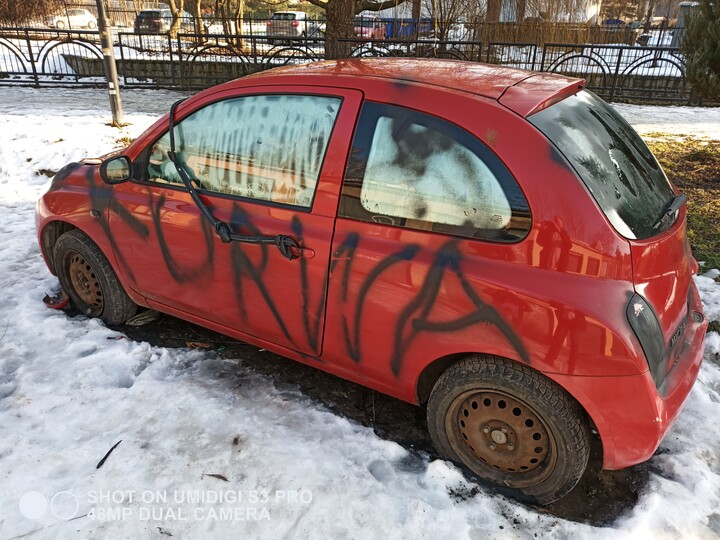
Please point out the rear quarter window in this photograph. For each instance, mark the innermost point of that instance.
(410, 169)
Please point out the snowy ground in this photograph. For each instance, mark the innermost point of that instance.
(70, 389)
(694, 121)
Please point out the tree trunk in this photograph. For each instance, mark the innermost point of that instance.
(339, 25)
(494, 7)
(239, 9)
(416, 14)
(199, 23)
(197, 15)
(176, 7)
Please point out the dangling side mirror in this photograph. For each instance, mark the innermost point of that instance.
(116, 170)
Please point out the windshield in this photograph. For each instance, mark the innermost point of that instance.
(614, 163)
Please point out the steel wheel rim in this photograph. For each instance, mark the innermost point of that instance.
(85, 282)
(501, 438)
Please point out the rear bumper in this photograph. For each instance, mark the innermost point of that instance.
(631, 415)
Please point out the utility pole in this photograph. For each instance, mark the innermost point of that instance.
(109, 61)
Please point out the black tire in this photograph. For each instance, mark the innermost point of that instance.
(86, 276)
(60, 25)
(510, 426)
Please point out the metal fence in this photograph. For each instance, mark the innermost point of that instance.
(44, 57)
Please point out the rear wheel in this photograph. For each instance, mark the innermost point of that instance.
(89, 280)
(92, 25)
(60, 25)
(511, 426)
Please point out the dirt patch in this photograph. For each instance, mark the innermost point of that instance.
(693, 165)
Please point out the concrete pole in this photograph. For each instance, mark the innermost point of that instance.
(109, 62)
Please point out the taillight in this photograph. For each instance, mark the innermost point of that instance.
(645, 324)
(269, 23)
(296, 23)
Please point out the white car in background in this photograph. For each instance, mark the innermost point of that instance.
(291, 24)
(73, 18)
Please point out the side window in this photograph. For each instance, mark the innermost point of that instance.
(414, 170)
(267, 147)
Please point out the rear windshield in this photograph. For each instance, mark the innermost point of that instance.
(283, 16)
(611, 159)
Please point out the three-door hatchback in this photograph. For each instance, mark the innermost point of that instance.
(497, 244)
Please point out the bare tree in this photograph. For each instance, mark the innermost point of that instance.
(14, 12)
(177, 7)
(339, 21)
(446, 13)
(196, 10)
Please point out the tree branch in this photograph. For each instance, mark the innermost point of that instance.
(370, 5)
(317, 3)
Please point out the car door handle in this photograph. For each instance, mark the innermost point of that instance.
(304, 252)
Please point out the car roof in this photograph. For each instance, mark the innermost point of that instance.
(524, 92)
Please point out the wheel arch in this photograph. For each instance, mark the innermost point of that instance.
(50, 233)
(432, 372)
(48, 238)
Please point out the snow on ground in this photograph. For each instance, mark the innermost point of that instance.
(71, 388)
(694, 121)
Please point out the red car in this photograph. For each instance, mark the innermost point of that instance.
(369, 27)
(497, 244)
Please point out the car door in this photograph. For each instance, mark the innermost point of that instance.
(268, 161)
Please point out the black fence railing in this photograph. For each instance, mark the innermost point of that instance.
(44, 57)
(469, 28)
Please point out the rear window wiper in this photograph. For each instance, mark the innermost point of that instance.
(669, 209)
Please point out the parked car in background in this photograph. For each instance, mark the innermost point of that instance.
(369, 27)
(159, 21)
(497, 244)
(291, 24)
(73, 18)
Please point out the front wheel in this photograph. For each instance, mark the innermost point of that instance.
(511, 426)
(86, 276)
